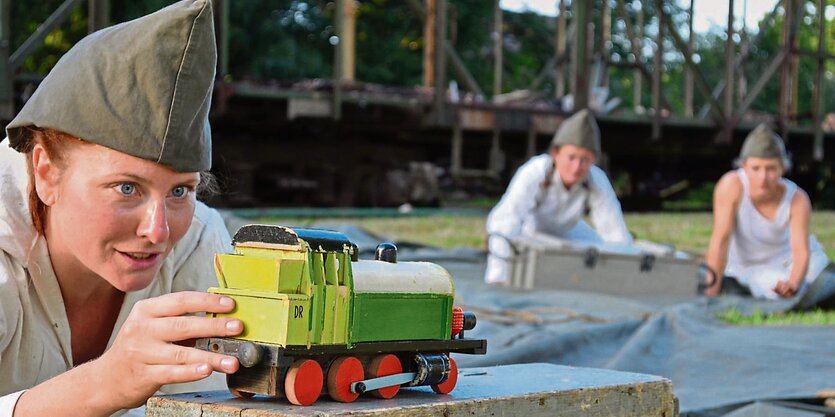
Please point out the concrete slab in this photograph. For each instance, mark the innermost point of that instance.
(529, 390)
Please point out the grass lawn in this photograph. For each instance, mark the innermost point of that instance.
(686, 231)
(813, 318)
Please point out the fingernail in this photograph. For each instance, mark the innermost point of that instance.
(227, 363)
(227, 302)
(203, 368)
(233, 325)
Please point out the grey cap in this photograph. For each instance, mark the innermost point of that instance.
(579, 130)
(142, 87)
(762, 142)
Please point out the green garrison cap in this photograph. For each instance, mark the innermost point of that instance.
(142, 87)
(579, 130)
(762, 142)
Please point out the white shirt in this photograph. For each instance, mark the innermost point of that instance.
(35, 340)
(526, 207)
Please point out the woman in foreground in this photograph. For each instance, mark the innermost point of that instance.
(101, 235)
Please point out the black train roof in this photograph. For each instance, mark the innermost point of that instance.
(318, 239)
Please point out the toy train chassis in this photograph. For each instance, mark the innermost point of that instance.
(264, 367)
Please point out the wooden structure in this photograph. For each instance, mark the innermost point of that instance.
(531, 390)
(484, 140)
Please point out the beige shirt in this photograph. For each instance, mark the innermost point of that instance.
(34, 331)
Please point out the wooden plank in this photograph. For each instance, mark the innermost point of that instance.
(530, 390)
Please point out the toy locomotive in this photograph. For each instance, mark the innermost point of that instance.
(318, 320)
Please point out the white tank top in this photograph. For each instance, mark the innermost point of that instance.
(756, 239)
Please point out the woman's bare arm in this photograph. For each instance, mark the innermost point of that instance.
(726, 198)
(799, 237)
(143, 357)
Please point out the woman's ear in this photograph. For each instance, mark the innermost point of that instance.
(46, 175)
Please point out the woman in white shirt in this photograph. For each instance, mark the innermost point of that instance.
(552, 192)
(101, 235)
(761, 224)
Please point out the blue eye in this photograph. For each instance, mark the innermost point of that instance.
(179, 191)
(127, 189)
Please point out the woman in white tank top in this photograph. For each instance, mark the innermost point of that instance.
(761, 224)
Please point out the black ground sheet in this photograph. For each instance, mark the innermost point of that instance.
(716, 369)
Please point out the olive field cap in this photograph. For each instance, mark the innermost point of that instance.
(579, 130)
(762, 142)
(142, 87)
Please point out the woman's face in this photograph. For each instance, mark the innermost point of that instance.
(573, 163)
(763, 176)
(111, 214)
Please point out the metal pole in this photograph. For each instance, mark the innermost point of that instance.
(730, 50)
(688, 73)
(497, 35)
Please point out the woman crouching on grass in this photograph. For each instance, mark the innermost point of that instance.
(761, 224)
(101, 235)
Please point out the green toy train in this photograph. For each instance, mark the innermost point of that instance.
(317, 320)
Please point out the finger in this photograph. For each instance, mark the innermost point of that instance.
(184, 302)
(174, 329)
(178, 355)
(176, 374)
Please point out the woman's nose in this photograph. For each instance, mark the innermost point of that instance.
(154, 225)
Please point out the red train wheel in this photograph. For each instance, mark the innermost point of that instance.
(344, 371)
(447, 386)
(385, 365)
(303, 382)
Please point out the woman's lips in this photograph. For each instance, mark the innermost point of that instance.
(141, 260)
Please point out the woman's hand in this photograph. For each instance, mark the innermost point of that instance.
(786, 289)
(145, 355)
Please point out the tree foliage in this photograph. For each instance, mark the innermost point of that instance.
(291, 40)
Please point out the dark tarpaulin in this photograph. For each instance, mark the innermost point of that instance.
(716, 368)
